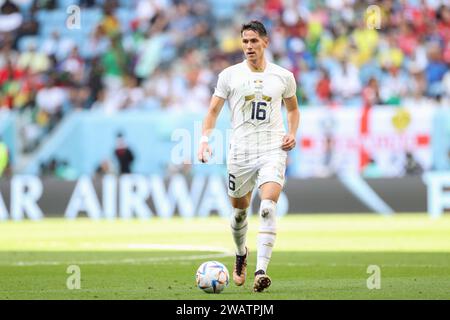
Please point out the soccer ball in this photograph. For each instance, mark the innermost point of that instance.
(212, 277)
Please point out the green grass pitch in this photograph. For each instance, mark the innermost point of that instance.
(315, 257)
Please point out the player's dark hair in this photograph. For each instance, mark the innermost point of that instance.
(256, 26)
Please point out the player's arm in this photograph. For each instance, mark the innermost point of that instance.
(215, 106)
(293, 117)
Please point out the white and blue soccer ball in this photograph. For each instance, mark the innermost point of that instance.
(212, 277)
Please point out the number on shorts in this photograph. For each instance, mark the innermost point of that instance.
(231, 182)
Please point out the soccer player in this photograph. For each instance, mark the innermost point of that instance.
(259, 143)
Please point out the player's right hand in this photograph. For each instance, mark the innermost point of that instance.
(204, 152)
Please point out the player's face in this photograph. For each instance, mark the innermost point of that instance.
(253, 45)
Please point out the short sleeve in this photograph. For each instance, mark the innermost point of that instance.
(222, 89)
(291, 86)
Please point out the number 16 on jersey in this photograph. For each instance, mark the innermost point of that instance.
(259, 111)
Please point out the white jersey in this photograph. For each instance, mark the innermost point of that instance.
(255, 155)
(255, 101)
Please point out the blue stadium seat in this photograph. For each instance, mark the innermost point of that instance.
(63, 4)
(25, 41)
(368, 71)
(125, 16)
(53, 18)
(25, 6)
(309, 80)
(56, 20)
(91, 16)
(354, 102)
(77, 35)
(130, 4)
(225, 9)
(41, 15)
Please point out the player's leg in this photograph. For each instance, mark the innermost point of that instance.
(239, 223)
(270, 192)
(270, 183)
(240, 188)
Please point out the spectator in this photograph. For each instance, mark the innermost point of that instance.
(133, 92)
(10, 17)
(197, 90)
(74, 65)
(393, 86)
(345, 82)
(50, 101)
(29, 26)
(43, 5)
(390, 55)
(417, 88)
(114, 63)
(435, 70)
(412, 167)
(58, 169)
(150, 56)
(146, 10)
(14, 92)
(323, 87)
(123, 154)
(110, 24)
(95, 80)
(371, 93)
(110, 101)
(57, 46)
(87, 3)
(98, 44)
(48, 168)
(33, 60)
(407, 40)
(7, 53)
(79, 98)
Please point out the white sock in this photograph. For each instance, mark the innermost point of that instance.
(267, 233)
(239, 227)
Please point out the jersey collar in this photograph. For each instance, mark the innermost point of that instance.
(257, 72)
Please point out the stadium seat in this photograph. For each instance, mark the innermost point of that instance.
(63, 4)
(25, 41)
(130, 4)
(225, 9)
(91, 16)
(125, 16)
(25, 6)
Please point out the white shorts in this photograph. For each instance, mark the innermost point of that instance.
(243, 177)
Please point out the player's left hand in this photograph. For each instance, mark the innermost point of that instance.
(288, 142)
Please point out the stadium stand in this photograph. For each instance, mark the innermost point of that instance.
(152, 54)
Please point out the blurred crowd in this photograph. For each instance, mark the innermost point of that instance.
(166, 54)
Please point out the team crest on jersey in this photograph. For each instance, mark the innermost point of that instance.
(258, 88)
(259, 84)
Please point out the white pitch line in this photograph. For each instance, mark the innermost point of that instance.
(121, 261)
(223, 253)
(176, 247)
(151, 246)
